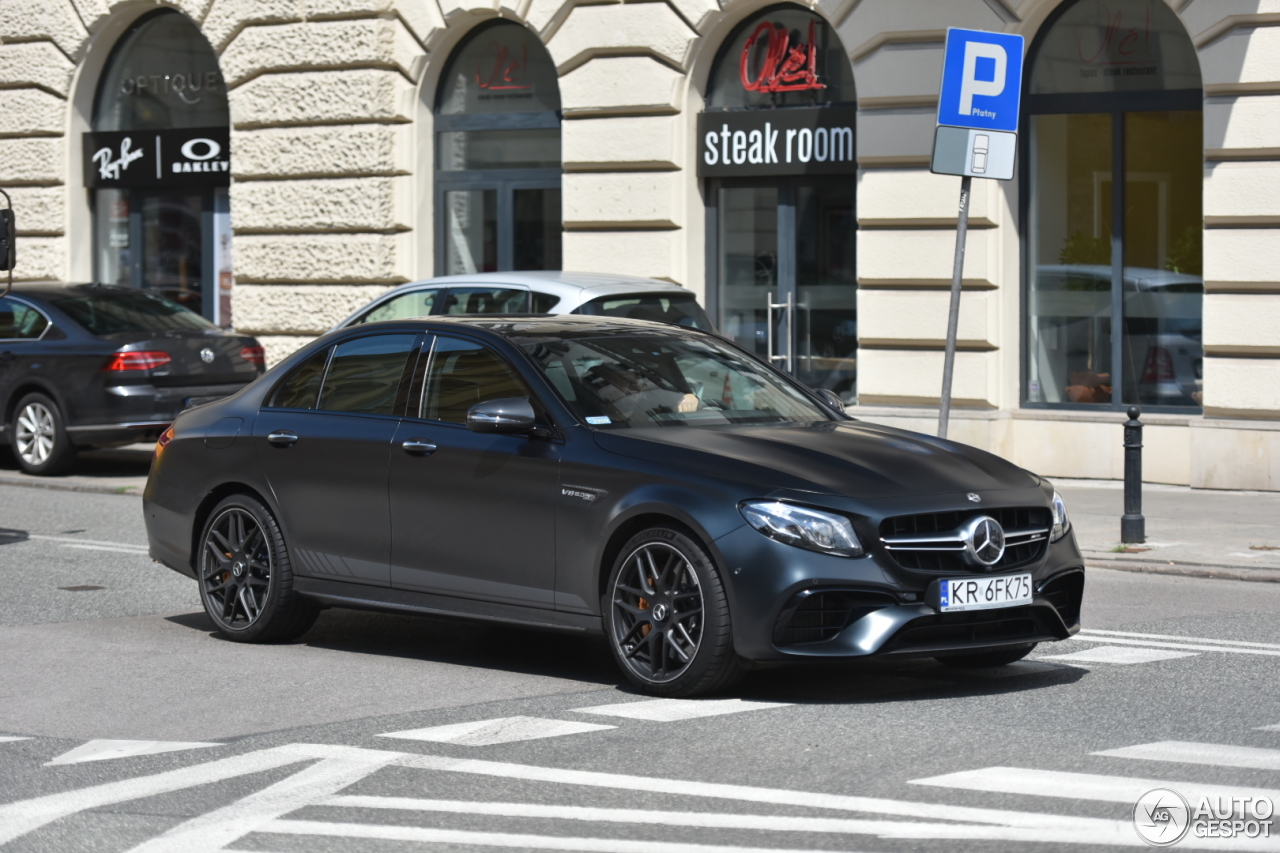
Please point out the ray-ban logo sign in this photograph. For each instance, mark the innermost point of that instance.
(157, 158)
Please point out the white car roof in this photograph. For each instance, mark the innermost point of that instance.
(573, 288)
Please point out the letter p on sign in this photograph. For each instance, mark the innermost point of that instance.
(981, 80)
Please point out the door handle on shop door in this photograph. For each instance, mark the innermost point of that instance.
(282, 438)
(419, 447)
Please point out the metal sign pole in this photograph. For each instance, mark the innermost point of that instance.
(953, 320)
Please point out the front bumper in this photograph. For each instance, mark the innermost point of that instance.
(886, 611)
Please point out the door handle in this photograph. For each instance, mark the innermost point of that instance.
(419, 447)
(789, 307)
(282, 438)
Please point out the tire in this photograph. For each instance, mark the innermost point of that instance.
(666, 616)
(246, 582)
(996, 657)
(39, 437)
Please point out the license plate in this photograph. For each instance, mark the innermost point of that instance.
(984, 593)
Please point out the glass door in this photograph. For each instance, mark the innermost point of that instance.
(786, 284)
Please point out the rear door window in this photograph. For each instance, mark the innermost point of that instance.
(486, 300)
(406, 306)
(300, 388)
(677, 309)
(19, 321)
(463, 373)
(365, 375)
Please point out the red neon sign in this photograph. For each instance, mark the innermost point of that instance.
(501, 77)
(786, 68)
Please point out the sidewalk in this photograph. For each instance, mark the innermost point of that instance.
(1189, 531)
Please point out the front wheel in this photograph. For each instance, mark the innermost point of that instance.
(978, 660)
(667, 617)
(40, 440)
(246, 583)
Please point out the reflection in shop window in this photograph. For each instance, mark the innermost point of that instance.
(1114, 229)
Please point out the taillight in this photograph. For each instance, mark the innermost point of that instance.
(1159, 366)
(254, 355)
(162, 442)
(137, 360)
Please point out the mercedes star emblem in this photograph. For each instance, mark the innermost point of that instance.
(975, 497)
(983, 540)
(206, 355)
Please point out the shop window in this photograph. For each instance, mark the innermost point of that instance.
(158, 163)
(1113, 219)
(498, 160)
(777, 146)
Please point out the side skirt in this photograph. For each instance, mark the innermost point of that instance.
(360, 597)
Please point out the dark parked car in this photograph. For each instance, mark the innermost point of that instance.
(102, 366)
(654, 483)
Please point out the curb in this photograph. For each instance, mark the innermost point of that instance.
(1194, 570)
(33, 483)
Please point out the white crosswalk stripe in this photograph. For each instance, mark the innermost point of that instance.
(103, 750)
(1081, 786)
(1213, 754)
(671, 710)
(1193, 646)
(1119, 655)
(1099, 633)
(502, 730)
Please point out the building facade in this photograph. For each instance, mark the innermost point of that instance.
(277, 163)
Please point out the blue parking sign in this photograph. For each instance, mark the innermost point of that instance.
(981, 80)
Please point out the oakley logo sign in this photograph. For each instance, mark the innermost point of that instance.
(983, 541)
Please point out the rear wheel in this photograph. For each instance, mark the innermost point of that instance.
(996, 657)
(39, 436)
(667, 617)
(246, 582)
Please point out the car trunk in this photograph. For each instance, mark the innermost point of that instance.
(198, 357)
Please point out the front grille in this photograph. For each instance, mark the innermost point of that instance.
(929, 542)
(815, 617)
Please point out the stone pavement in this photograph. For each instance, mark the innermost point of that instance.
(1201, 532)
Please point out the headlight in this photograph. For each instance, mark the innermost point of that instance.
(1061, 524)
(802, 527)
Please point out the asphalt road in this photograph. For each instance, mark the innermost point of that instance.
(385, 733)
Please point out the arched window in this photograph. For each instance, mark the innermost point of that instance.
(158, 164)
(777, 145)
(1113, 223)
(498, 162)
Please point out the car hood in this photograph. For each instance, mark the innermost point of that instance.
(848, 458)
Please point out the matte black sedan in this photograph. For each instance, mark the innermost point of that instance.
(703, 511)
(102, 366)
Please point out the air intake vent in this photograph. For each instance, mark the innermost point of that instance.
(818, 616)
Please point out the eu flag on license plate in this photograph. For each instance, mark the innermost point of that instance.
(944, 593)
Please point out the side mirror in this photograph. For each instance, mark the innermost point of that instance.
(831, 398)
(8, 240)
(507, 416)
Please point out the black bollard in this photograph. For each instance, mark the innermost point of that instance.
(1133, 527)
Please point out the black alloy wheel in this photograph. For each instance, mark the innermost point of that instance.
(39, 436)
(667, 616)
(978, 660)
(246, 584)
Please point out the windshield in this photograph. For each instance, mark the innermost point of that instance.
(646, 380)
(680, 309)
(106, 312)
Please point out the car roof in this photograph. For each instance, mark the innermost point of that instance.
(555, 282)
(529, 326)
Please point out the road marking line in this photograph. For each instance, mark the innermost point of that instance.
(1213, 754)
(1097, 631)
(102, 750)
(214, 830)
(23, 816)
(7, 739)
(1119, 655)
(1081, 786)
(1160, 644)
(140, 552)
(502, 730)
(77, 541)
(497, 839)
(1275, 728)
(671, 710)
(750, 794)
